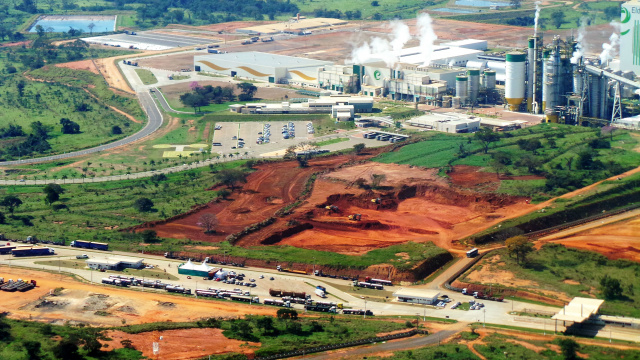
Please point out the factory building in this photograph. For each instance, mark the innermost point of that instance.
(266, 67)
(453, 123)
(341, 107)
(340, 78)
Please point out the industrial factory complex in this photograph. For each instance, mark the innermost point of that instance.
(551, 77)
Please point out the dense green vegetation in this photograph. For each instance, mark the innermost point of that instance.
(568, 157)
(550, 266)
(65, 112)
(32, 340)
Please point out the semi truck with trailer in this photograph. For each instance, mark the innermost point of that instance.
(6, 249)
(89, 245)
(357, 312)
(321, 308)
(32, 251)
(378, 281)
(281, 269)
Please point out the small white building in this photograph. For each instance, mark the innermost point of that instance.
(342, 112)
(115, 263)
(417, 296)
(448, 122)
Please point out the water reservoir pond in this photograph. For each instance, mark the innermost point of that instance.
(456, 11)
(62, 23)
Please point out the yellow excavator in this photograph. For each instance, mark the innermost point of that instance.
(355, 217)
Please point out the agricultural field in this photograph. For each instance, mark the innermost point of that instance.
(566, 156)
(561, 273)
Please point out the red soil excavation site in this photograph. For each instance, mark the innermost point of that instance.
(410, 205)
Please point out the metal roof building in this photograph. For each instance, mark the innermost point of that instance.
(273, 68)
(418, 296)
(115, 263)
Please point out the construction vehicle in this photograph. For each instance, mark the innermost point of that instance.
(355, 217)
(376, 200)
(89, 245)
(32, 251)
(332, 208)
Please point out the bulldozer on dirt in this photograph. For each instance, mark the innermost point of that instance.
(355, 217)
(332, 208)
(376, 200)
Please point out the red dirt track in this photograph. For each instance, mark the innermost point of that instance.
(271, 187)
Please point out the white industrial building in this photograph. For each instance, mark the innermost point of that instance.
(267, 67)
(446, 122)
(417, 296)
(341, 107)
(579, 310)
(115, 263)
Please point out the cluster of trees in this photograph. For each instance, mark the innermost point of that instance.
(337, 14)
(69, 127)
(164, 11)
(36, 142)
(42, 50)
(204, 95)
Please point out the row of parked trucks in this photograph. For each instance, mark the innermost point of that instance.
(18, 251)
(124, 281)
(19, 285)
(384, 137)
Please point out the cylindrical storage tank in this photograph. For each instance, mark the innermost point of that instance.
(515, 76)
(455, 103)
(489, 79)
(531, 63)
(594, 96)
(577, 80)
(462, 88)
(474, 84)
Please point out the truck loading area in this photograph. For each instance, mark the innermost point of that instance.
(150, 40)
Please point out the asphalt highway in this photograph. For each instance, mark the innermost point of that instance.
(154, 123)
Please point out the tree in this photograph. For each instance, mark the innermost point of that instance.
(3, 219)
(610, 287)
(194, 100)
(116, 130)
(91, 26)
(69, 127)
(231, 177)
(287, 314)
(248, 91)
(149, 236)
(20, 87)
(265, 323)
(376, 179)
(33, 349)
(375, 3)
(11, 70)
(569, 348)
(558, 18)
(66, 350)
(519, 246)
(11, 202)
(515, 4)
(358, 148)
(143, 204)
(486, 136)
(208, 222)
(52, 193)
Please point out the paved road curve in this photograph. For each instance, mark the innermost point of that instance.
(154, 123)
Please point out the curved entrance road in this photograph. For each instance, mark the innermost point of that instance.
(154, 123)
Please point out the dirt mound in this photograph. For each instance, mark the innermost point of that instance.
(180, 344)
(87, 65)
(472, 177)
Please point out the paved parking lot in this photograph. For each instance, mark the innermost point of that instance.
(248, 131)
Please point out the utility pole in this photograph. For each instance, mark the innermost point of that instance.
(484, 313)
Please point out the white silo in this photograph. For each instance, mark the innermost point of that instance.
(462, 88)
(545, 71)
(489, 79)
(474, 84)
(515, 76)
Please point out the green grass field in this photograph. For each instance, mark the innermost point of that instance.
(550, 267)
(146, 76)
(558, 156)
(331, 141)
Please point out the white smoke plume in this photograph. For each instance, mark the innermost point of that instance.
(427, 36)
(609, 50)
(537, 17)
(388, 49)
(580, 46)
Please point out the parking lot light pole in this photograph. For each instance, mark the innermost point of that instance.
(484, 313)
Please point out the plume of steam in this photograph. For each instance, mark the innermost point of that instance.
(535, 20)
(383, 49)
(427, 36)
(388, 49)
(609, 50)
(580, 46)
